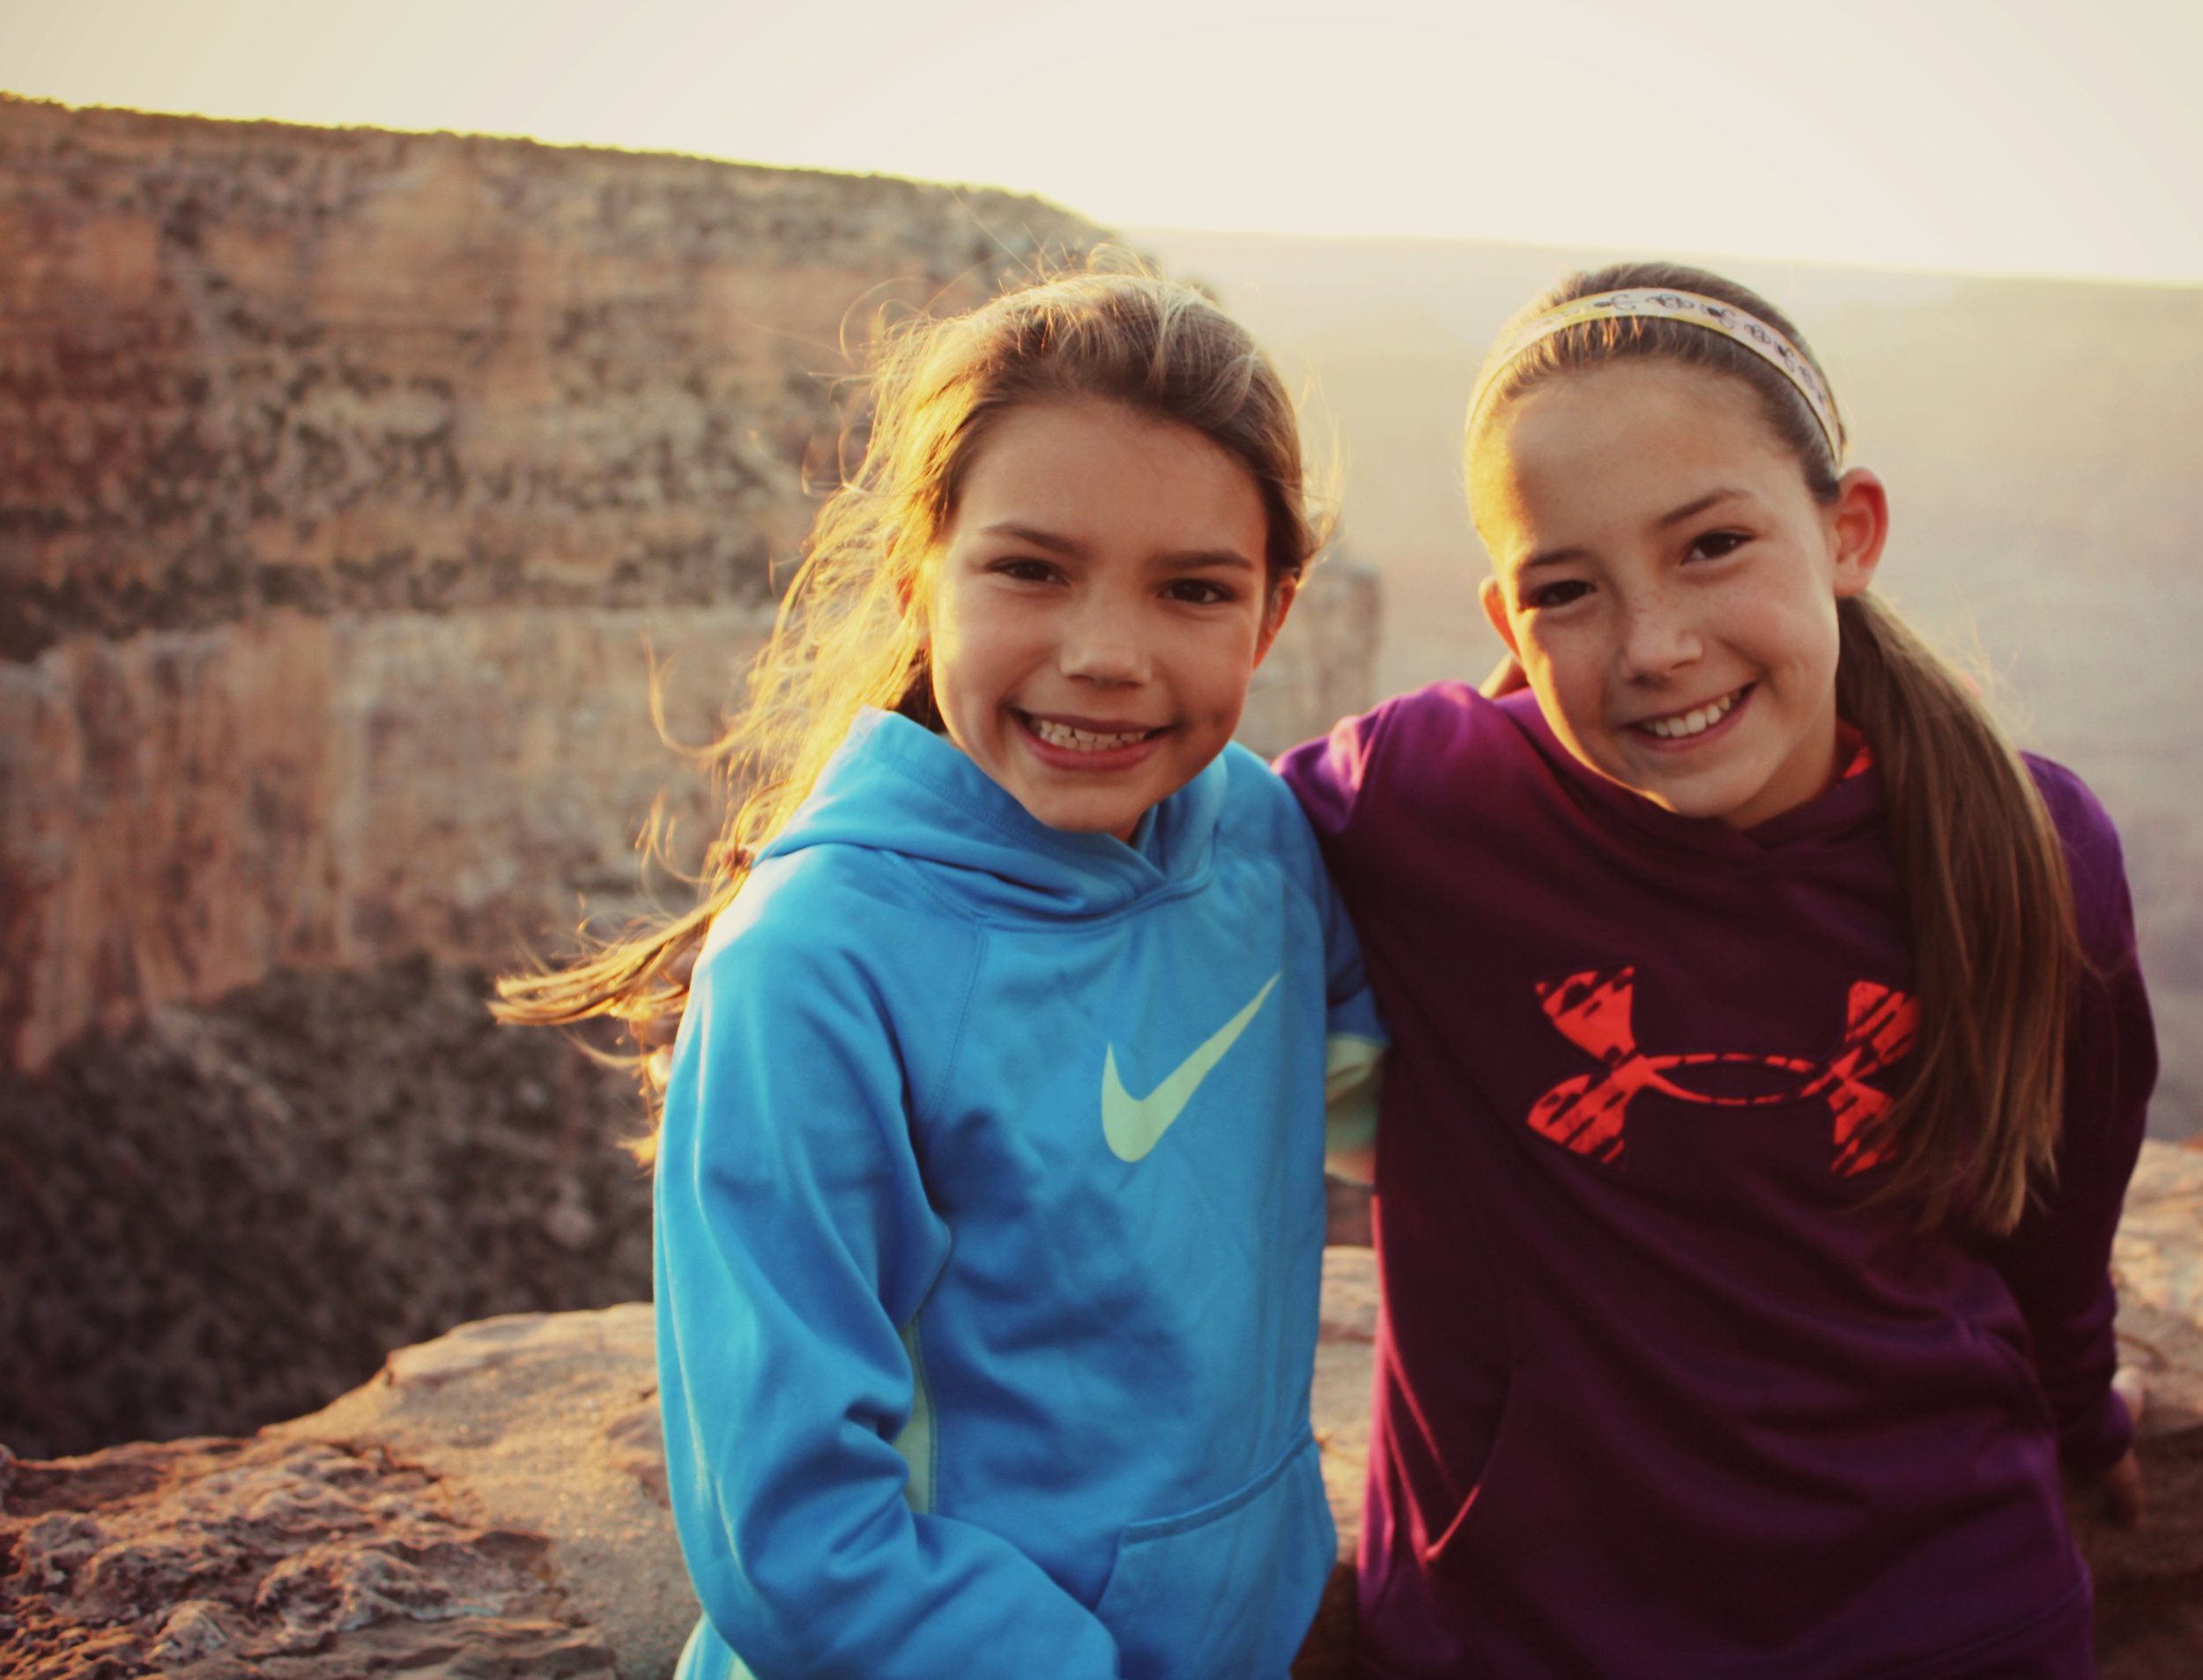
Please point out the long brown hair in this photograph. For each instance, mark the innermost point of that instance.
(847, 636)
(1979, 860)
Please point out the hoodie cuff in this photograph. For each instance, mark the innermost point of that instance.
(2098, 1437)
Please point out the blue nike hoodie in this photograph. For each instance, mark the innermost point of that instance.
(990, 1230)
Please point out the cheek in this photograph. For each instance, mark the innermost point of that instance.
(958, 651)
(974, 629)
(1566, 669)
(1220, 662)
(1803, 637)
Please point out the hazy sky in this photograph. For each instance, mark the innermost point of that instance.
(2045, 137)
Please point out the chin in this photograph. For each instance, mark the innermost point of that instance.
(1083, 816)
(1708, 798)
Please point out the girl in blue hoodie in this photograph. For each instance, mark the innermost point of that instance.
(990, 1194)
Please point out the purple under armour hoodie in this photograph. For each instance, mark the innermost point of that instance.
(1656, 1394)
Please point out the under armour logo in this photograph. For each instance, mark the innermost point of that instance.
(1588, 1112)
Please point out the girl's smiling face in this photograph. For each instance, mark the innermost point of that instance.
(1095, 608)
(1669, 583)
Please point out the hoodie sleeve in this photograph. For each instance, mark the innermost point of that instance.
(2056, 1263)
(1325, 776)
(1355, 1041)
(794, 1243)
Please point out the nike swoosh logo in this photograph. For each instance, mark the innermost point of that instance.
(1134, 1125)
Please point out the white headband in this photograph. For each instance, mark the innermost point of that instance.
(1726, 319)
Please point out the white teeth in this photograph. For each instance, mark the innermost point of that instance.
(1062, 735)
(1695, 723)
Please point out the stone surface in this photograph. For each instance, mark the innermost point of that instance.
(288, 1560)
(255, 366)
(226, 1216)
(546, 1424)
(2158, 1261)
(183, 810)
(344, 477)
(493, 1502)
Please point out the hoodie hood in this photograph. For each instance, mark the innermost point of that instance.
(896, 786)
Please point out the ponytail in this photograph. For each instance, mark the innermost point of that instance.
(1982, 873)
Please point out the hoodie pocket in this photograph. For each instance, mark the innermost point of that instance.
(1226, 1591)
(1454, 1538)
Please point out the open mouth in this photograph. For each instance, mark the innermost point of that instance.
(1681, 725)
(1070, 737)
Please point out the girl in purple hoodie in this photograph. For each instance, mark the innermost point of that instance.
(1769, 1058)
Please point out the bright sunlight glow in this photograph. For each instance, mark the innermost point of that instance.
(2039, 137)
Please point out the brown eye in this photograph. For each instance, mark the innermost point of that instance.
(1713, 544)
(1556, 594)
(1200, 592)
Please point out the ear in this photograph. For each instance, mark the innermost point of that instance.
(1859, 523)
(1492, 594)
(1281, 600)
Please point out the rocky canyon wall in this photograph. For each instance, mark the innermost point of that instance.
(350, 483)
(347, 476)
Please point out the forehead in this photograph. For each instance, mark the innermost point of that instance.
(1627, 441)
(1102, 473)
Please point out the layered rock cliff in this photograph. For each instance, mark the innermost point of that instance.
(351, 483)
(348, 476)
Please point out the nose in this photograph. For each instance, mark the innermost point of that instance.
(1102, 643)
(1659, 635)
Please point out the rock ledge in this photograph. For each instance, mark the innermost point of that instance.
(492, 1504)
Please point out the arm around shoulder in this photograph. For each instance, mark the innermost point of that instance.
(1326, 774)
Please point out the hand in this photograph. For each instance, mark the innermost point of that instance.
(2123, 1493)
(1507, 676)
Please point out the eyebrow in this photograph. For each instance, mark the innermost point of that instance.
(1184, 560)
(1692, 509)
(1675, 516)
(1194, 559)
(1034, 535)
